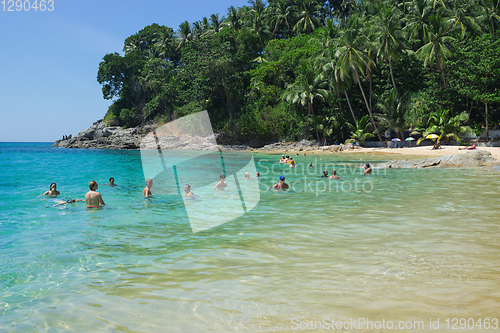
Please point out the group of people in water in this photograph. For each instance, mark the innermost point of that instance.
(93, 199)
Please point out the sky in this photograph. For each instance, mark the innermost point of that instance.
(49, 60)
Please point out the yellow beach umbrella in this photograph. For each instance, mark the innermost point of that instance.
(432, 136)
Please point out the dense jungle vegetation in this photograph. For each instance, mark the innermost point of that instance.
(334, 70)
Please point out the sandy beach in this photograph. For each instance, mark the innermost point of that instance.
(419, 152)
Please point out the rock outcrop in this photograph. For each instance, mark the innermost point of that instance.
(111, 137)
(476, 158)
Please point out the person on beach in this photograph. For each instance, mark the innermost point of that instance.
(281, 185)
(189, 194)
(111, 182)
(334, 175)
(468, 148)
(367, 169)
(221, 185)
(62, 202)
(325, 174)
(53, 192)
(436, 146)
(247, 175)
(93, 198)
(147, 190)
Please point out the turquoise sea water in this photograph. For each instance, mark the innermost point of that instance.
(399, 245)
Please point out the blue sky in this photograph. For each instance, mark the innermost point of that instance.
(49, 60)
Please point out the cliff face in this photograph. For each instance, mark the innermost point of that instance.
(109, 137)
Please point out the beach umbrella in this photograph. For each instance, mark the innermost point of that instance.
(432, 136)
(410, 139)
(396, 139)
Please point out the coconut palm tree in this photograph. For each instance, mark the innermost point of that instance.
(417, 19)
(184, 34)
(446, 127)
(438, 44)
(360, 131)
(490, 15)
(392, 115)
(351, 57)
(307, 87)
(388, 36)
(281, 16)
(234, 18)
(308, 11)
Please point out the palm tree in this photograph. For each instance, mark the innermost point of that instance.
(438, 44)
(388, 36)
(417, 19)
(215, 23)
(234, 19)
(459, 17)
(360, 131)
(165, 41)
(351, 57)
(446, 127)
(490, 14)
(392, 114)
(282, 14)
(259, 27)
(135, 43)
(308, 16)
(184, 34)
(307, 87)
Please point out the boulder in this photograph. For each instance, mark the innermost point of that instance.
(477, 158)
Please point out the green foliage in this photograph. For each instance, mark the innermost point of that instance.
(360, 131)
(299, 68)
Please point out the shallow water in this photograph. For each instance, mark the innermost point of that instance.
(399, 245)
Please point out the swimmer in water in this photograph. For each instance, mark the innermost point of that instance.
(334, 175)
(93, 198)
(189, 194)
(53, 192)
(257, 175)
(221, 184)
(367, 169)
(147, 190)
(292, 164)
(281, 185)
(247, 175)
(325, 173)
(111, 182)
(62, 202)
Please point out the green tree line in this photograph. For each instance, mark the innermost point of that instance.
(287, 70)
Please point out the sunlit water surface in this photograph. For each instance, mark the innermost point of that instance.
(399, 245)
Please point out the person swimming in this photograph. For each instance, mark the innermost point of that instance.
(292, 164)
(147, 190)
(221, 184)
(53, 192)
(189, 194)
(334, 175)
(63, 202)
(93, 198)
(111, 182)
(281, 185)
(325, 173)
(247, 175)
(367, 169)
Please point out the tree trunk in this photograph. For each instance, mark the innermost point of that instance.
(392, 77)
(311, 112)
(356, 78)
(350, 107)
(487, 131)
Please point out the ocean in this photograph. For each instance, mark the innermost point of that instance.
(401, 249)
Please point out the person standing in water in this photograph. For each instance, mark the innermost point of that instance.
(111, 182)
(221, 184)
(53, 192)
(189, 194)
(93, 198)
(147, 190)
(334, 175)
(367, 169)
(281, 185)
